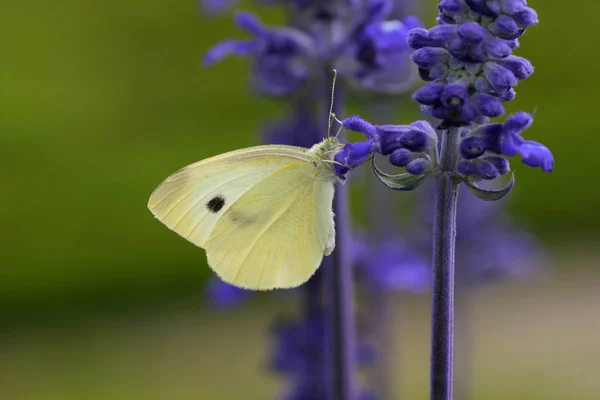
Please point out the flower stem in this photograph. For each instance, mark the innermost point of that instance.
(340, 291)
(444, 234)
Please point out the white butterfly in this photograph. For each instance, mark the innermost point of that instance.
(263, 214)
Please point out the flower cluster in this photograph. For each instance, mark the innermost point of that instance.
(411, 146)
(468, 58)
(414, 147)
(368, 50)
(481, 147)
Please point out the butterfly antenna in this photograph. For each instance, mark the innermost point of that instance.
(331, 114)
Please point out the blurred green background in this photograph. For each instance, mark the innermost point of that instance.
(99, 101)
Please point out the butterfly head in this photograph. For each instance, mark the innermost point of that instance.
(326, 149)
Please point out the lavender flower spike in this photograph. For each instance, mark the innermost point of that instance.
(467, 60)
(468, 57)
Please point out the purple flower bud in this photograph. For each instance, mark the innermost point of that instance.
(501, 164)
(465, 167)
(419, 38)
(472, 147)
(401, 157)
(501, 78)
(430, 57)
(513, 6)
(449, 8)
(487, 105)
(505, 26)
(472, 33)
(391, 136)
(442, 33)
(483, 7)
(454, 106)
(467, 52)
(418, 166)
(526, 17)
(496, 47)
(508, 96)
(415, 140)
(519, 66)
(485, 170)
(429, 94)
(436, 73)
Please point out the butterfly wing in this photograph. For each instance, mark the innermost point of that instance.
(276, 234)
(183, 200)
(261, 214)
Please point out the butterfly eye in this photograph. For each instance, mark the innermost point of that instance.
(216, 204)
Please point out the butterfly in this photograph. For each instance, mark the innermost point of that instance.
(263, 214)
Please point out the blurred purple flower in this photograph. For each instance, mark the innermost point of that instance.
(392, 265)
(299, 129)
(216, 7)
(370, 51)
(299, 351)
(222, 295)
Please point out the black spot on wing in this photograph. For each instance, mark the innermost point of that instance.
(215, 204)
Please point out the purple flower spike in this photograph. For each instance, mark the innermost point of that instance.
(471, 47)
